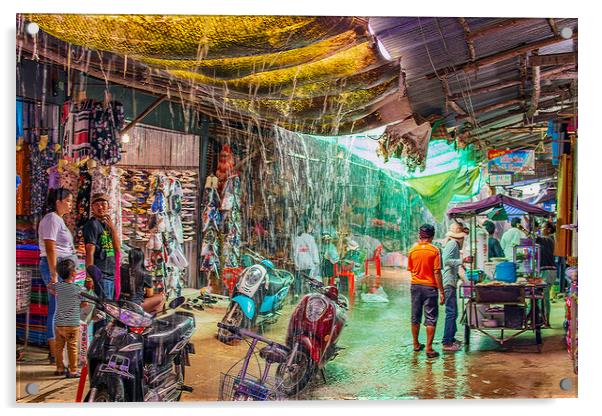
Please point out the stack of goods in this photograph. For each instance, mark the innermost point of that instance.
(135, 205)
(158, 213)
(26, 233)
(188, 179)
(38, 306)
(211, 220)
(232, 222)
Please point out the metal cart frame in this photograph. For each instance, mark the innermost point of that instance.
(532, 297)
(536, 292)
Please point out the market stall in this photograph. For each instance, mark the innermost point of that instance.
(511, 297)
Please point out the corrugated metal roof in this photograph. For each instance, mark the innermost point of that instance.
(427, 45)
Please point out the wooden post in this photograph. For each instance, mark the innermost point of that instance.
(536, 80)
(201, 277)
(469, 43)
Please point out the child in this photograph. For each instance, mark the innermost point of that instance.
(68, 303)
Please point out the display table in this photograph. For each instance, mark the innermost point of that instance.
(497, 306)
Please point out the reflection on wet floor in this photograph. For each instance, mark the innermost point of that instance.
(378, 361)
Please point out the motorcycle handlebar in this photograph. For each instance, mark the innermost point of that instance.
(245, 333)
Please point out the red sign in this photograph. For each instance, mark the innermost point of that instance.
(492, 154)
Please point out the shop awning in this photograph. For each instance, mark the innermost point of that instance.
(510, 205)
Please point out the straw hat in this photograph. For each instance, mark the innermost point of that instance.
(456, 230)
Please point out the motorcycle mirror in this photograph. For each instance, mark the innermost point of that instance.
(177, 302)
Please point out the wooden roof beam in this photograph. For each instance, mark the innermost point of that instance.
(553, 27)
(496, 27)
(469, 67)
(486, 89)
(496, 106)
(553, 59)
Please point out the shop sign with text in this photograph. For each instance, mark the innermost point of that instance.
(519, 161)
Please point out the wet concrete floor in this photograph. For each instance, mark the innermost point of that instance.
(378, 361)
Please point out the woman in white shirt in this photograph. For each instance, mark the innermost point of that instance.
(56, 244)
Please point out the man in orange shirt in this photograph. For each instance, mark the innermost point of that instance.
(424, 262)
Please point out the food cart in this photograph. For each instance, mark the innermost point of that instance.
(494, 306)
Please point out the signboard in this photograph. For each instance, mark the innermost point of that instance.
(519, 161)
(502, 179)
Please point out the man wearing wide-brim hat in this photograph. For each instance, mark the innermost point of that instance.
(102, 242)
(451, 263)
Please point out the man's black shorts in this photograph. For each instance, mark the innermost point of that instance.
(424, 297)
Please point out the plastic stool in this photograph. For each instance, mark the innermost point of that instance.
(376, 260)
(346, 271)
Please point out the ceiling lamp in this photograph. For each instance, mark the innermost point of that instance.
(32, 28)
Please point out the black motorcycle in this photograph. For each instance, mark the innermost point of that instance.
(138, 357)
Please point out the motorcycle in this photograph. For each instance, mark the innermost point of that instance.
(313, 331)
(138, 357)
(258, 297)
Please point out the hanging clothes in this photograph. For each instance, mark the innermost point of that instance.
(69, 179)
(41, 160)
(106, 123)
(23, 203)
(76, 118)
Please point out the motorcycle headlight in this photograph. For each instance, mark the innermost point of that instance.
(252, 276)
(127, 317)
(315, 309)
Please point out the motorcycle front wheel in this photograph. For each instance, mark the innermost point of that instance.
(294, 377)
(101, 395)
(234, 316)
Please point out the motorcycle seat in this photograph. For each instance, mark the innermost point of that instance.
(277, 282)
(169, 330)
(273, 354)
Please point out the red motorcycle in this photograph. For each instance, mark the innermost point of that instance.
(313, 331)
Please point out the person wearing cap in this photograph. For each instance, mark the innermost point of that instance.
(494, 249)
(451, 263)
(511, 238)
(102, 242)
(424, 262)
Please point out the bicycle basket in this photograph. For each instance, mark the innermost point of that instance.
(233, 389)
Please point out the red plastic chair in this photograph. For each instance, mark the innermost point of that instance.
(346, 271)
(230, 277)
(376, 260)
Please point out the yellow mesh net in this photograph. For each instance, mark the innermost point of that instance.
(305, 71)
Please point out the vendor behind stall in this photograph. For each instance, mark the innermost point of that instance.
(511, 238)
(494, 249)
(547, 262)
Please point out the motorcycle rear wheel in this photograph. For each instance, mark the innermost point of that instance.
(234, 316)
(295, 378)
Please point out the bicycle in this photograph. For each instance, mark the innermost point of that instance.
(242, 386)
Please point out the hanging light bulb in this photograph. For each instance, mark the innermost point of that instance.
(125, 138)
(566, 32)
(32, 28)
